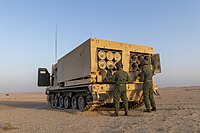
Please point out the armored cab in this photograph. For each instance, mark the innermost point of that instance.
(78, 80)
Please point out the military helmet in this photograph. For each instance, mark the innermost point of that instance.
(146, 58)
(143, 62)
(119, 64)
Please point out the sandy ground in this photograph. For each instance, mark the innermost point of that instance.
(178, 112)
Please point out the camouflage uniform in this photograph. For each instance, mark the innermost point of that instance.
(146, 77)
(120, 78)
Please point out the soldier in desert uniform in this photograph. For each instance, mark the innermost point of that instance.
(120, 77)
(146, 77)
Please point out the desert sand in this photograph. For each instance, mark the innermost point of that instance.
(178, 112)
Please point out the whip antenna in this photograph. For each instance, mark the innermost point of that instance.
(91, 34)
(56, 44)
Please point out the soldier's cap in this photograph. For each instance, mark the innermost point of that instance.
(143, 62)
(119, 64)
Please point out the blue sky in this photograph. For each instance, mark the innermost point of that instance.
(27, 30)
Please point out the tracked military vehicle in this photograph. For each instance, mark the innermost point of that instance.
(77, 79)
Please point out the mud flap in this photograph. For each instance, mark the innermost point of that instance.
(156, 93)
(155, 89)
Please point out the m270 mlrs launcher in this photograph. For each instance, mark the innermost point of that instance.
(77, 79)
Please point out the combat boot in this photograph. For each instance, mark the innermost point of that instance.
(153, 109)
(126, 113)
(115, 114)
(147, 110)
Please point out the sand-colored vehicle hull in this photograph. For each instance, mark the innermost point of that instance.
(77, 79)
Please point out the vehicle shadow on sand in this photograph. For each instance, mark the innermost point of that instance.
(102, 111)
(24, 104)
(44, 106)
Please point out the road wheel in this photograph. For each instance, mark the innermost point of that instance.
(61, 101)
(67, 102)
(74, 102)
(55, 102)
(48, 100)
(52, 101)
(81, 103)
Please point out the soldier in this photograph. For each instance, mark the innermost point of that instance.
(146, 77)
(120, 77)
